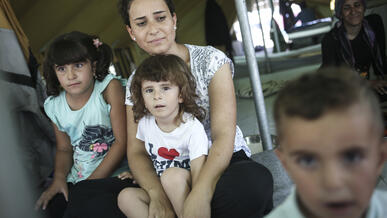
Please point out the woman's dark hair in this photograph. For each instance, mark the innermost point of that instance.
(124, 6)
(75, 47)
(165, 68)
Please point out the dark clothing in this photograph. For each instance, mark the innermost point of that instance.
(306, 15)
(367, 49)
(90, 198)
(245, 190)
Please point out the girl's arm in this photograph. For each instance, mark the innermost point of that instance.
(114, 95)
(144, 172)
(63, 163)
(223, 127)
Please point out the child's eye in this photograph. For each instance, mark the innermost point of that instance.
(60, 69)
(307, 161)
(352, 157)
(79, 65)
(161, 18)
(148, 90)
(165, 88)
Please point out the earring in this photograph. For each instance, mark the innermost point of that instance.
(134, 38)
(174, 28)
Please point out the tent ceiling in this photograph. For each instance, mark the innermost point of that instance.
(42, 20)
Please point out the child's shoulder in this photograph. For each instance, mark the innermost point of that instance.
(100, 86)
(52, 101)
(288, 208)
(191, 123)
(378, 204)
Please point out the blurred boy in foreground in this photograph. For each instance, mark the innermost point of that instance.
(331, 143)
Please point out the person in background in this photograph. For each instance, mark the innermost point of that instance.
(306, 14)
(358, 42)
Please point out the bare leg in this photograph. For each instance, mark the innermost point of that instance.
(177, 185)
(134, 202)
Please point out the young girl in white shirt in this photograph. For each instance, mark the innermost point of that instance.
(163, 94)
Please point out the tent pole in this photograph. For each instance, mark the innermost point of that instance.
(267, 60)
(254, 74)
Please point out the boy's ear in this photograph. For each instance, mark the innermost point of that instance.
(383, 156)
(281, 156)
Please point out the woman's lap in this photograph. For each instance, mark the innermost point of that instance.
(244, 190)
(90, 198)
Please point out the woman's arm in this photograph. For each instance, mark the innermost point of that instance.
(223, 124)
(196, 166)
(63, 163)
(114, 95)
(144, 172)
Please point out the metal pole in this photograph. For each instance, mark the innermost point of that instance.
(267, 60)
(254, 74)
(274, 27)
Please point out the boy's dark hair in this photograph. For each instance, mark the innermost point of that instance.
(165, 68)
(75, 47)
(124, 6)
(331, 89)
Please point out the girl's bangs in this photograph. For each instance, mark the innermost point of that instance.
(67, 52)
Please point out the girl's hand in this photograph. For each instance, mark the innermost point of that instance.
(126, 175)
(58, 186)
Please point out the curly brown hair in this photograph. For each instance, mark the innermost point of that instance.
(165, 68)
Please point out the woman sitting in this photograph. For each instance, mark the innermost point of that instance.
(357, 41)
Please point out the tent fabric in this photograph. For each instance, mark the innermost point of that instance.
(36, 138)
(216, 29)
(13, 24)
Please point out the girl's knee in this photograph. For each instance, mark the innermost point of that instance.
(124, 196)
(129, 195)
(175, 176)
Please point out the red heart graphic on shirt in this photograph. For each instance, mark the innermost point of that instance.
(168, 154)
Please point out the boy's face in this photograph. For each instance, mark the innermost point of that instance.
(334, 161)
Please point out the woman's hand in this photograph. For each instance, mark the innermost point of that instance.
(160, 206)
(58, 186)
(197, 204)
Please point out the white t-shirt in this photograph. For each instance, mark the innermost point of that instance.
(290, 208)
(174, 149)
(205, 62)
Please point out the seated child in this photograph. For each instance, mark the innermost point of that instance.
(163, 93)
(85, 105)
(331, 143)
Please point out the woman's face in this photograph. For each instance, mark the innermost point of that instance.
(152, 26)
(353, 12)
